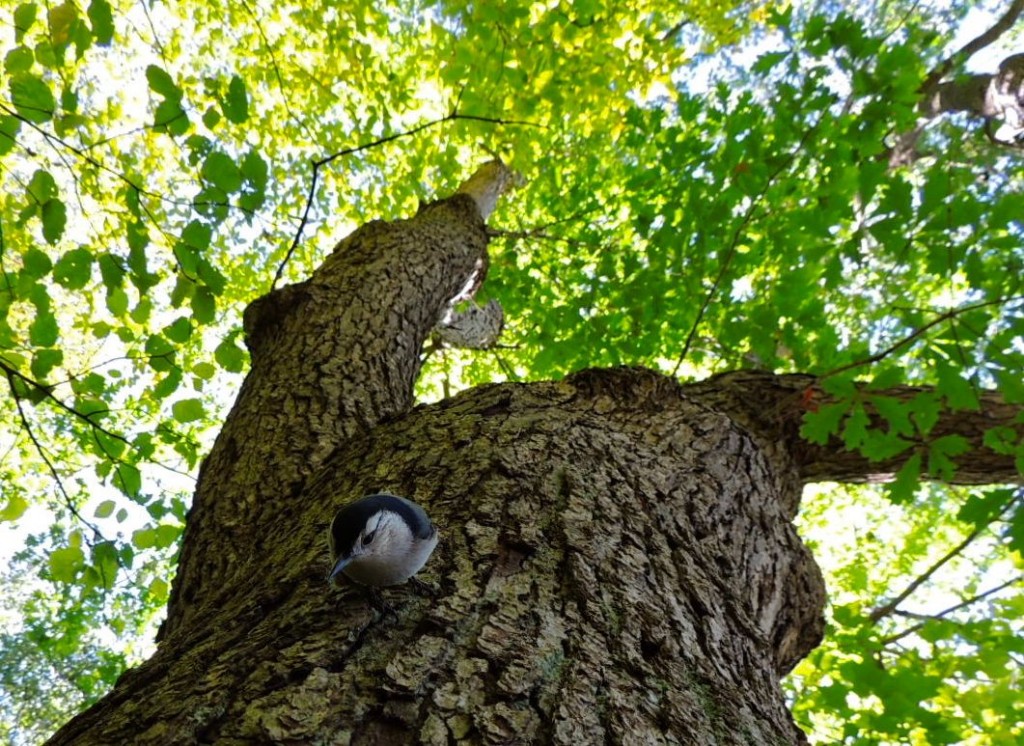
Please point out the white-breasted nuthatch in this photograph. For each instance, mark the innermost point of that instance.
(380, 540)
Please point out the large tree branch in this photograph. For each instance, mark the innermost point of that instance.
(773, 407)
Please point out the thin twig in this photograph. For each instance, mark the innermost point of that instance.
(945, 612)
(730, 252)
(49, 464)
(46, 391)
(950, 314)
(890, 607)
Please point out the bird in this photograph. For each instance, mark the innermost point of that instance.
(380, 540)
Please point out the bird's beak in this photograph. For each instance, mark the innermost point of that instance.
(340, 565)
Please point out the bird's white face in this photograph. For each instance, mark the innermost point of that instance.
(386, 553)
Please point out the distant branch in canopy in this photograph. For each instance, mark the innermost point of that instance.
(941, 318)
(730, 251)
(46, 391)
(972, 47)
(27, 426)
(947, 611)
(317, 165)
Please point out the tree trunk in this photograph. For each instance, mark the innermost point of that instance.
(617, 561)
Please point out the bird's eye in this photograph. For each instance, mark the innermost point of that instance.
(368, 537)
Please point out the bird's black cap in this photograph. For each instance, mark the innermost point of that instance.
(351, 519)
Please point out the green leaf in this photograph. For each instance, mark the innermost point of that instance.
(102, 19)
(882, 446)
(211, 117)
(111, 270)
(1001, 439)
(179, 331)
(205, 371)
(958, 393)
(66, 563)
(980, 508)
(45, 360)
(14, 509)
(62, 20)
(895, 412)
(229, 356)
(168, 384)
(162, 83)
(160, 351)
(18, 60)
(9, 127)
(855, 427)
(105, 509)
(167, 535)
(819, 426)
(105, 564)
(74, 270)
(128, 479)
(171, 117)
(24, 17)
(36, 263)
(1016, 530)
(55, 217)
(197, 234)
(188, 410)
(221, 171)
(908, 478)
(117, 301)
(144, 538)
(32, 97)
(236, 103)
(42, 187)
(204, 306)
(940, 453)
(43, 331)
(159, 590)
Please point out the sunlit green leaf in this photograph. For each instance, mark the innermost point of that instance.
(19, 59)
(162, 83)
(66, 563)
(9, 127)
(102, 19)
(236, 103)
(221, 171)
(32, 97)
(24, 17)
(128, 479)
(229, 356)
(14, 508)
(74, 269)
(187, 410)
(55, 217)
(204, 306)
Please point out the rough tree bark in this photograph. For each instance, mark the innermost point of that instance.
(618, 563)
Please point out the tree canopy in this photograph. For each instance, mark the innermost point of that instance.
(797, 188)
